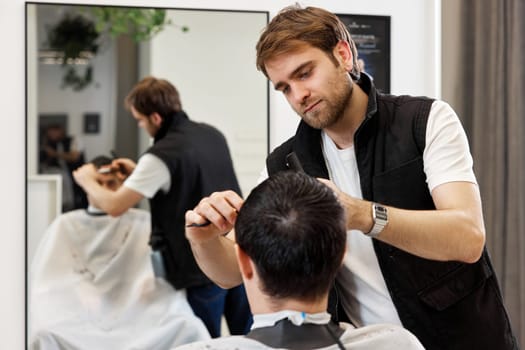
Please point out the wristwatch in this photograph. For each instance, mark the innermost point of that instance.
(380, 217)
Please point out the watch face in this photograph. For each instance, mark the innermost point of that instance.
(380, 212)
(380, 216)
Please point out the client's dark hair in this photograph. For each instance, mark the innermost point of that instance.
(293, 228)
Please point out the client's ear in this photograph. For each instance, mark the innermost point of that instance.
(245, 263)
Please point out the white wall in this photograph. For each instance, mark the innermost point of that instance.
(211, 74)
(414, 58)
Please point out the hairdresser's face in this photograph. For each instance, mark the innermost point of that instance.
(316, 88)
(145, 122)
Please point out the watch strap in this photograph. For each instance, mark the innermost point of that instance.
(380, 217)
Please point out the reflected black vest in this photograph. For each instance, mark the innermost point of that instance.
(447, 305)
(199, 162)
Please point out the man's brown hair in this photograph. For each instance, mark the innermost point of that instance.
(152, 95)
(293, 27)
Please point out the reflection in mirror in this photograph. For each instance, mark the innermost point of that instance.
(75, 101)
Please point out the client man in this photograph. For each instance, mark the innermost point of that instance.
(290, 241)
(92, 285)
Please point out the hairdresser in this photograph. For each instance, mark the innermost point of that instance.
(186, 162)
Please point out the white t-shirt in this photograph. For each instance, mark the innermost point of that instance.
(149, 176)
(446, 158)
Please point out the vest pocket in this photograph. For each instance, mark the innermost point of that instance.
(456, 285)
(403, 186)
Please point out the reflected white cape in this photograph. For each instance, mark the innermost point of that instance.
(92, 287)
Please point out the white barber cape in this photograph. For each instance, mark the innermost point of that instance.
(376, 337)
(92, 287)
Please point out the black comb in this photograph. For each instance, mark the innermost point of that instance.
(293, 163)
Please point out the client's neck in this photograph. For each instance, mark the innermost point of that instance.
(264, 304)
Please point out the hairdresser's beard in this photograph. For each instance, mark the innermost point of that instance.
(325, 111)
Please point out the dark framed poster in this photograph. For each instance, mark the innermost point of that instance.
(371, 35)
(91, 123)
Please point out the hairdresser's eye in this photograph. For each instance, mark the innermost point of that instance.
(304, 74)
(286, 90)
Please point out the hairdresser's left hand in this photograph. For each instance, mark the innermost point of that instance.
(219, 210)
(84, 174)
(124, 167)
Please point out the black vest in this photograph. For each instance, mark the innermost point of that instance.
(447, 305)
(199, 162)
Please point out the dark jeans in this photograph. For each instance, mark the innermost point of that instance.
(210, 302)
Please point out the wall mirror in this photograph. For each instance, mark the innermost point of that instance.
(209, 55)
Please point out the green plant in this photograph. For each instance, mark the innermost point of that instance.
(141, 24)
(74, 37)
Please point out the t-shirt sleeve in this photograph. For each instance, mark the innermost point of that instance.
(447, 155)
(149, 176)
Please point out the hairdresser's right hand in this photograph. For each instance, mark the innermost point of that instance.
(219, 209)
(124, 167)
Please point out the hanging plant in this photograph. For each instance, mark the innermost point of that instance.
(74, 38)
(72, 35)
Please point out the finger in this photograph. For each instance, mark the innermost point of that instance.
(227, 203)
(329, 184)
(199, 234)
(218, 212)
(117, 163)
(323, 180)
(195, 220)
(231, 197)
(204, 224)
(120, 168)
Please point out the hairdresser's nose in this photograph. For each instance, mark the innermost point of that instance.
(300, 94)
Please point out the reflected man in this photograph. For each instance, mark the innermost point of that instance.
(62, 154)
(186, 162)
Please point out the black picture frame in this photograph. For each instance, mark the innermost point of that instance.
(371, 35)
(91, 123)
